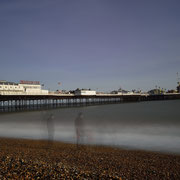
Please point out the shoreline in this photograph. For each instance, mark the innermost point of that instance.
(120, 147)
(26, 158)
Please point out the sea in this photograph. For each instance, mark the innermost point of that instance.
(150, 125)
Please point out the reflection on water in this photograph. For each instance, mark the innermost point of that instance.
(79, 128)
(48, 119)
(144, 125)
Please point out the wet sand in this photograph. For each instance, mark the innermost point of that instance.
(35, 159)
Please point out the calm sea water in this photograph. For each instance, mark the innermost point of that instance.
(145, 125)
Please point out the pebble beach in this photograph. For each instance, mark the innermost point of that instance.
(39, 159)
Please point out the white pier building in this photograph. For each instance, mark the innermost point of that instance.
(22, 88)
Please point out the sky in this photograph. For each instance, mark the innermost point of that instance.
(99, 44)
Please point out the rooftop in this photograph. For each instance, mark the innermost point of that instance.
(8, 83)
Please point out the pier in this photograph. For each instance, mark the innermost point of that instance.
(29, 102)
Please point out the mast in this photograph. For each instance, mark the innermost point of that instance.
(178, 79)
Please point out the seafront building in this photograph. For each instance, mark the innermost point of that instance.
(22, 88)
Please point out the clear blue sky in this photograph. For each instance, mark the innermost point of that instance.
(104, 44)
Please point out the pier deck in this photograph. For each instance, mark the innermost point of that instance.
(15, 102)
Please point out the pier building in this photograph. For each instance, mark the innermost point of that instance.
(22, 88)
(10, 88)
(122, 92)
(80, 92)
(156, 91)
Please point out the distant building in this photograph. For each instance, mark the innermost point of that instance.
(24, 88)
(100, 92)
(125, 92)
(172, 91)
(79, 92)
(122, 92)
(178, 88)
(62, 92)
(156, 92)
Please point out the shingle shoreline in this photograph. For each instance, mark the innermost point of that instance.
(38, 159)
